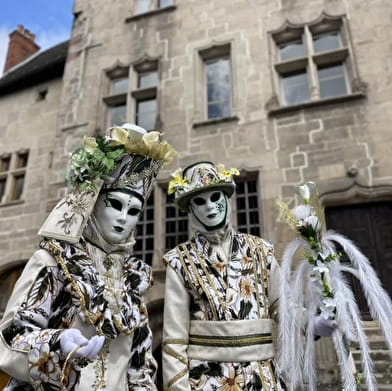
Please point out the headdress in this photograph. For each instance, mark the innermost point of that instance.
(126, 159)
(199, 177)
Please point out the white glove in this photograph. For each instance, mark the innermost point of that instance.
(89, 348)
(323, 327)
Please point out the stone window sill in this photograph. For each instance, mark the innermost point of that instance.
(150, 13)
(11, 203)
(320, 102)
(215, 121)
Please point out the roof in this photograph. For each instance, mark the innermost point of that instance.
(40, 67)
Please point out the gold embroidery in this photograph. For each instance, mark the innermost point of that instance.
(186, 271)
(91, 318)
(202, 285)
(268, 365)
(254, 266)
(207, 274)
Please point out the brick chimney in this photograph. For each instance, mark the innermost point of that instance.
(21, 46)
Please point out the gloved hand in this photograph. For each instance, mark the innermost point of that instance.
(90, 348)
(323, 327)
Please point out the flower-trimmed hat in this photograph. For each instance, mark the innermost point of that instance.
(199, 177)
(127, 159)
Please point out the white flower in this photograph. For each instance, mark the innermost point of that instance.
(302, 211)
(321, 267)
(304, 192)
(314, 221)
(328, 308)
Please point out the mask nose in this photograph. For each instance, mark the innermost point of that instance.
(122, 216)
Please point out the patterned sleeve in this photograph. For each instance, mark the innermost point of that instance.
(142, 366)
(32, 342)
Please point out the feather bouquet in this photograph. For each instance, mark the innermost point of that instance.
(318, 284)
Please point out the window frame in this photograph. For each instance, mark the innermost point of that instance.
(9, 176)
(245, 178)
(145, 93)
(111, 99)
(310, 62)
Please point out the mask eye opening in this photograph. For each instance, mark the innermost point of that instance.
(115, 204)
(199, 201)
(134, 211)
(215, 196)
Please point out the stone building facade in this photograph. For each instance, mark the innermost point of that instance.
(287, 91)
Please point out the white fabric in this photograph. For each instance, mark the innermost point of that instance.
(178, 327)
(89, 348)
(232, 328)
(323, 327)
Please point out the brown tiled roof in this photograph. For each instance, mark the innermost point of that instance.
(40, 67)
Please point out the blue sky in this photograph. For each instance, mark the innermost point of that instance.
(49, 20)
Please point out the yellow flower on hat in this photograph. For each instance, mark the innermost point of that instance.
(226, 174)
(89, 144)
(178, 182)
(118, 136)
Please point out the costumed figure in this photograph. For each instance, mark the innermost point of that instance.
(222, 290)
(319, 282)
(77, 319)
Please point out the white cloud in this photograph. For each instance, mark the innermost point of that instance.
(45, 39)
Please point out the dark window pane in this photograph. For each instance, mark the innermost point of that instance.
(148, 79)
(332, 81)
(327, 42)
(150, 214)
(150, 244)
(241, 218)
(295, 88)
(146, 112)
(148, 258)
(150, 229)
(240, 187)
(182, 225)
(170, 242)
(254, 217)
(22, 160)
(139, 229)
(119, 86)
(2, 187)
(18, 189)
(292, 50)
(252, 202)
(117, 115)
(252, 187)
(165, 3)
(138, 245)
(170, 226)
(255, 231)
(240, 203)
(5, 163)
(170, 211)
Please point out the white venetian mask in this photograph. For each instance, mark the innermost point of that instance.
(210, 209)
(117, 213)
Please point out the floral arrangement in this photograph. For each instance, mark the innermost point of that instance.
(181, 184)
(97, 157)
(318, 283)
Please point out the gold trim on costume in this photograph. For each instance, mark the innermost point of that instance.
(201, 283)
(207, 274)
